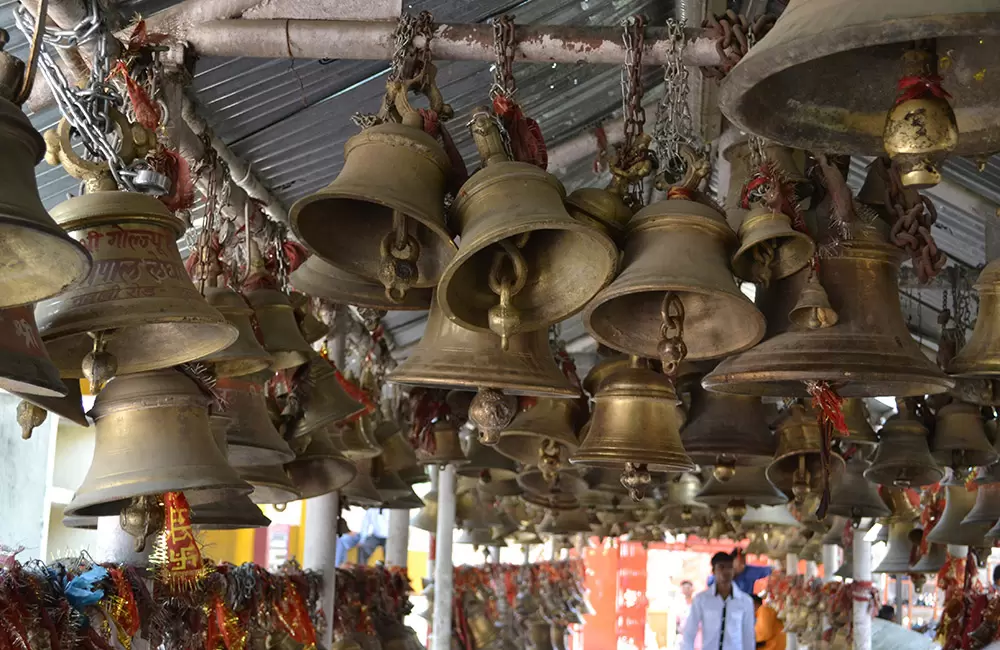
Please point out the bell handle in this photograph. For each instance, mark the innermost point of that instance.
(486, 134)
(424, 83)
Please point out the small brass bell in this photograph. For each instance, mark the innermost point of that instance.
(797, 467)
(319, 468)
(245, 356)
(960, 440)
(566, 481)
(813, 310)
(932, 561)
(853, 496)
(770, 249)
(897, 557)
(680, 247)
(950, 528)
(524, 263)
(604, 209)
(317, 277)
(601, 371)
(902, 458)
(327, 401)
(859, 429)
(426, 518)
(357, 439)
(727, 431)
(253, 440)
(987, 507)
(25, 366)
(138, 299)
(270, 484)
(153, 436)
(980, 356)
(279, 331)
(547, 429)
(447, 449)
(748, 487)
(361, 491)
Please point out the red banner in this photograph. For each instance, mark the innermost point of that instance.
(631, 600)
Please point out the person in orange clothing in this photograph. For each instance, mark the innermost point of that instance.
(769, 630)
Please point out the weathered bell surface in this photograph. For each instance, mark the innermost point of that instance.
(727, 431)
(812, 54)
(567, 481)
(602, 370)
(932, 561)
(903, 458)
(959, 439)
(951, 527)
(317, 277)
(426, 517)
(39, 259)
(414, 474)
(153, 436)
(270, 483)
(565, 522)
(748, 487)
(361, 491)
(312, 327)
(319, 468)
(897, 557)
(357, 439)
(859, 428)
(868, 352)
(813, 310)
(770, 249)
(676, 247)
(980, 356)
(518, 241)
(853, 496)
(484, 461)
(797, 469)
(245, 356)
(80, 523)
(362, 201)
(138, 292)
(446, 448)
(234, 512)
(253, 440)
(602, 208)
(327, 402)
(547, 428)
(397, 453)
(25, 366)
(987, 507)
(279, 331)
(835, 534)
(775, 516)
(450, 356)
(69, 406)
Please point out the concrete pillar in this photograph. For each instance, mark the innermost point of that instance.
(830, 562)
(320, 550)
(115, 545)
(791, 569)
(811, 570)
(398, 543)
(443, 571)
(494, 555)
(862, 580)
(899, 598)
(433, 547)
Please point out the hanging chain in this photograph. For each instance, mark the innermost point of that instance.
(631, 79)
(674, 125)
(505, 319)
(671, 348)
(403, 50)
(503, 47)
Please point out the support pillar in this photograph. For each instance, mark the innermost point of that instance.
(791, 569)
(443, 571)
(899, 598)
(320, 551)
(398, 544)
(829, 562)
(494, 555)
(862, 580)
(432, 551)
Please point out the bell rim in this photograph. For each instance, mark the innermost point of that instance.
(242, 454)
(751, 500)
(36, 376)
(509, 387)
(240, 365)
(95, 500)
(310, 281)
(886, 475)
(54, 236)
(316, 476)
(743, 264)
(654, 459)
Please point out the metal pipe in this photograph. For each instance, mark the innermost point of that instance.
(398, 543)
(862, 615)
(346, 39)
(444, 579)
(320, 549)
(899, 599)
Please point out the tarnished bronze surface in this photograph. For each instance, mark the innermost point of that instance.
(320, 279)
(959, 439)
(602, 208)
(253, 440)
(319, 468)
(980, 356)
(153, 436)
(859, 429)
(361, 490)
(388, 168)
(601, 371)
(727, 430)
(397, 453)
(679, 246)
(852, 496)
(903, 458)
(357, 439)
(950, 528)
(770, 249)
(270, 484)
(835, 533)
(869, 351)
(25, 366)
(328, 402)
(246, 355)
(748, 486)
(138, 291)
(797, 469)
(549, 419)
(279, 332)
(447, 449)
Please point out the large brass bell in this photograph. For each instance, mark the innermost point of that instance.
(138, 299)
(25, 366)
(357, 439)
(361, 490)
(853, 496)
(797, 468)
(770, 249)
(327, 401)
(317, 277)
(903, 458)
(253, 440)
(279, 331)
(319, 468)
(748, 487)
(153, 436)
(932, 561)
(859, 429)
(960, 438)
(980, 356)
(727, 431)
(868, 352)
(426, 518)
(447, 448)
(524, 263)
(806, 62)
(679, 247)
(245, 356)
(602, 208)
(951, 527)
(547, 429)
(39, 259)
(270, 484)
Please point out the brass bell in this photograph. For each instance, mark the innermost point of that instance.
(357, 439)
(447, 449)
(601, 371)
(474, 536)
(270, 483)
(868, 352)
(565, 522)
(813, 310)
(39, 259)
(807, 69)
(25, 366)
(897, 557)
(770, 249)
(797, 466)
(414, 474)
(397, 454)
(523, 263)
(370, 210)
(317, 277)
(153, 436)
(853, 496)
(676, 247)
(932, 561)
(835, 534)
(602, 208)
(987, 507)
(327, 402)
(547, 429)
(245, 356)
(409, 501)
(960, 438)
(36, 407)
(902, 458)
(487, 464)
(980, 356)
(773, 516)
(138, 299)
(426, 518)
(279, 331)
(727, 431)
(859, 429)
(748, 487)
(388, 484)
(253, 440)
(950, 528)
(361, 491)
(682, 495)
(567, 481)
(319, 468)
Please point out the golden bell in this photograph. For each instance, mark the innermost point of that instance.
(426, 517)
(727, 431)
(362, 204)
(246, 355)
(397, 453)
(327, 402)
(902, 458)
(524, 263)
(868, 352)
(153, 436)
(547, 428)
(950, 528)
(797, 467)
(357, 439)
(25, 366)
(279, 331)
(565, 522)
(361, 491)
(319, 468)
(748, 487)
(485, 462)
(601, 208)
(960, 438)
(253, 440)
(897, 557)
(932, 561)
(601, 371)
(39, 259)
(859, 429)
(676, 247)
(270, 483)
(987, 507)
(138, 293)
(447, 449)
(852, 496)
(813, 310)
(770, 249)
(980, 356)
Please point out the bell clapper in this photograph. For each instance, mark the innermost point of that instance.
(142, 517)
(399, 252)
(764, 258)
(635, 479)
(491, 411)
(504, 318)
(672, 349)
(724, 469)
(99, 365)
(29, 417)
(800, 481)
(548, 462)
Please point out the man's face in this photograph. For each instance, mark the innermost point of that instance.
(687, 589)
(723, 572)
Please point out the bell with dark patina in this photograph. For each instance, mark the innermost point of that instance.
(951, 527)
(903, 458)
(317, 277)
(859, 428)
(279, 331)
(676, 247)
(980, 356)
(25, 366)
(153, 436)
(246, 355)
(727, 431)
(868, 352)
(319, 468)
(446, 448)
(327, 401)
(270, 483)
(797, 468)
(356, 439)
(602, 208)
(853, 496)
(770, 249)
(138, 300)
(253, 440)
(960, 440)
(361, 490)
(548, 428)
(524, 263)
(748, 487)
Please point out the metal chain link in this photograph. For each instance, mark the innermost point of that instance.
(674, 126)
(633, 112)
(402, 38)
(672, 348)
(82, 32)
(503, 47)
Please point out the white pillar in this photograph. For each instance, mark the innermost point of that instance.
(320, 551)
(494, 555)
(115, 545)
(430, 556)
(862, 578)
(899, 598)
(829, 562)
(443, 571)
(398, 544)
(811, 569)
(791, 569)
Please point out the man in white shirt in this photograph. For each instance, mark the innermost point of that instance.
(373, 534)
(723, 613)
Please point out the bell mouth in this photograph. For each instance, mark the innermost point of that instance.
(318, 476)
(229, 515)
(98, 501)
(37, 262)
(317, 277)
